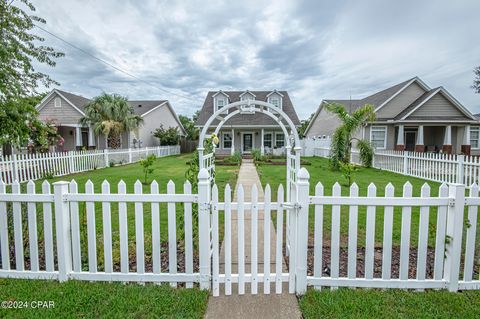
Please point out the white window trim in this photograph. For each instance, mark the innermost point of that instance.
(216, 103)
(271, 139)
(223, 140)
(475, 128)
(280, 100)
(386, 135)
(59, 102)
(284, 139)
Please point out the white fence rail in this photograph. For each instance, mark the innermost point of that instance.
(25, 167)
(443, 168)
(394, 240)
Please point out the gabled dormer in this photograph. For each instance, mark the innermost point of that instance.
(247, 95)
(220, 99)
(275, 98)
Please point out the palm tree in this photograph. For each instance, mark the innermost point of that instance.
(111, 115)
(344, 135)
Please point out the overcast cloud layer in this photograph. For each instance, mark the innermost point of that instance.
(313, 49)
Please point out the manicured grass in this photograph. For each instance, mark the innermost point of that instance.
(75, 299)
(320, 172)
(361, 303)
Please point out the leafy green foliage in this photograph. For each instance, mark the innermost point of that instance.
(256, 154)
(366, 152)
(167, 136)
(111, 115)
(347, 170)
(344, 135)
(476, 81)
(191, 174)
(303, 126)
(19, 50)
(189, 126)
(147, 164)
(236, 158)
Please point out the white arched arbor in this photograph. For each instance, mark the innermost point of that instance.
(251, 107)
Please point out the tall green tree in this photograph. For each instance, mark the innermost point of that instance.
(111, 115)
(344, 135)
(476, 81)
(20, 49)
(189, 126)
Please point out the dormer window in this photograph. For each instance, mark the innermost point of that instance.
(247, 95)
(220, 103)
(275, 101)
(57, 102)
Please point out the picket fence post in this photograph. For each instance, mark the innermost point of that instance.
(303, 187)
(71, 162)
(460, 168)
(405, 163)
(62, 223)
(105, 156)
(204, 228)
(15, 168)
(453, 250)
(129, 155)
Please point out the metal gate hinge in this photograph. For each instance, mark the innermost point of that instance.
(451, 202)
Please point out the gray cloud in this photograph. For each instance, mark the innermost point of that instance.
(314, 49)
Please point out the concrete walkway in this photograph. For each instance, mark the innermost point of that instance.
(252, 306)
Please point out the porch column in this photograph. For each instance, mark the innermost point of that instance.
(447, 141)
(91, 138)
(262, 148)
(232, 149)
(466, 147)
(420, 145)
(400, 146)
(78, 137)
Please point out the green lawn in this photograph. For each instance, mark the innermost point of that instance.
(75, 299)
(320, 172)
(362, 303)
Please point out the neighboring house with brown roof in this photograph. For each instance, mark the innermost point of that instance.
(410, 116)
(245, 132)
(66, 109)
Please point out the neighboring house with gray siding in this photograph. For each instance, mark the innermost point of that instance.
(410, 116)
(66, 109)
(245, 132)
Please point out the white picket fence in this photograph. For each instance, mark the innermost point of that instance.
(446, 253)
(25, 167)
(443, 168)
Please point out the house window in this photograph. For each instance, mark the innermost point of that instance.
(378, 137)
(220, 103)
(279, 140)
(475, 137)
(57, 102)
(227, 140)
(267, 140)
(247, 97)
(275, 101)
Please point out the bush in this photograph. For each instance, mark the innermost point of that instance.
(256, 154)
(236, 158)
(167, 136)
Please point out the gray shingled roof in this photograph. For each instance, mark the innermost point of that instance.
(139, 107)
(379, 98)
(247, 119)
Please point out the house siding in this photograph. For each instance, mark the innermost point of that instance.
(437, 106)
(152, 121)
(66, 114)
(324, 124)
(398, 103)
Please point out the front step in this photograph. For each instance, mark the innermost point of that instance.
(247, 156)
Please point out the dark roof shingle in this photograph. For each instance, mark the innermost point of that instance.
(247, 119)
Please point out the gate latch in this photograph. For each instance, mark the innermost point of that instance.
(291, 206)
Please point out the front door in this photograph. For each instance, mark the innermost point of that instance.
(410, 140)
(247, 142)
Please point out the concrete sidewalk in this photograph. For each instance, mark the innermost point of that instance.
(252, 306)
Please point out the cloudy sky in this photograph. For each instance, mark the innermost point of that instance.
(179, 50)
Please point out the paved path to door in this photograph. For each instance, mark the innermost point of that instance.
(252, 306)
